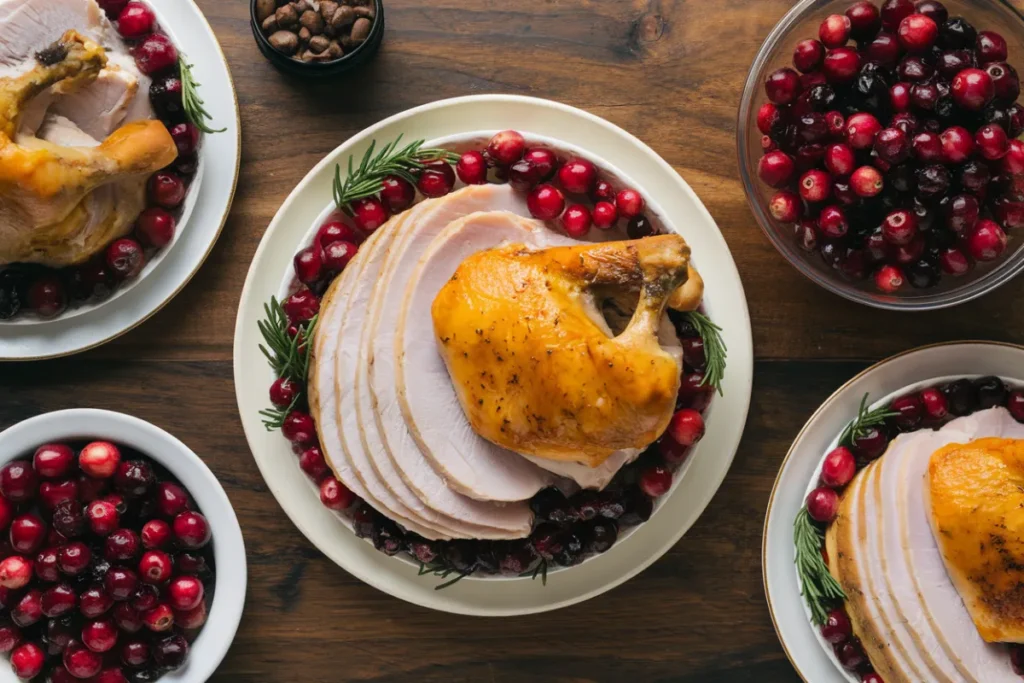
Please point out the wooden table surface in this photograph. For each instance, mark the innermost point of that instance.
(669, 71)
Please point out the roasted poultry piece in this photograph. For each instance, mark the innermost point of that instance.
(533, 362)
(59, 205)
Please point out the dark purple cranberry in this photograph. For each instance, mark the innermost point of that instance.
(934, 10)
(387, 537)
(914, 69)
(991, 391)
(122, 546)
(547, 541)
(906, 122)
(165, 96)
(962, 397)
(962, 212)
(517, 559)
(133, 477)
(832, 254)
(925, 96)
(821, 97)
(552, 505)
(869, 444)
(586, 504)
(572, 550)
(1016, 124)
(195, 565)
(487, 560)
(923, 274)
(1005, 80)
(974, 176)
(170, 652)
(925, 215)
(68, 519)
(933, 181)
(603, 534)
(423, 551)
(638, 507)
(59, 632)
(639, 226)
(812, 127)
(611, 505)
(956, 34)
(952, 62)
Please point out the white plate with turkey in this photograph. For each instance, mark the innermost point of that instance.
(902, 559)
(492, 356)
(118, 161)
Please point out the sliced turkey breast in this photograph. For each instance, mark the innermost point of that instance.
(29, 26)
(506, 478)
(418, 484)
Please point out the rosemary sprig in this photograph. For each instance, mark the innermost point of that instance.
(367, 179)
(540, 570)
(864, 420)
(287, 355)
(819, 588)
(442, 571)
(714, 348)
(191, 102)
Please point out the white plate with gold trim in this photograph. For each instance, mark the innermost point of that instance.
(204, 214)
(725, 302)
(884, 381)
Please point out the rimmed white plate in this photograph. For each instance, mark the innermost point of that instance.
(204, 214)
(724, 300)
(892, 377)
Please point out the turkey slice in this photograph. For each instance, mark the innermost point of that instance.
(29, 26)
(504, 477)
(324, 400)
(429, 494)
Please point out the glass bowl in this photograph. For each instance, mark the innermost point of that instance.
(800, 23)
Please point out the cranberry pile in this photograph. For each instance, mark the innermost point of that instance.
(928, 408)
(105, 572)
(47, 292)
(566, 529)
(895, 157)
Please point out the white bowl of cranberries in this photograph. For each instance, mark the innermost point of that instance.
(878, 147)
(121, 559)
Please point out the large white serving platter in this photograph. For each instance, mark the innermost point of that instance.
(893, 377)
(203, 215)
(677, 205)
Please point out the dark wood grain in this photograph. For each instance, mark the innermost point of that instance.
(671, 72)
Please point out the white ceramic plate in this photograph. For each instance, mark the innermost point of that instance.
(893, 377)
(679, 206)
(203, 216)
(208, 650)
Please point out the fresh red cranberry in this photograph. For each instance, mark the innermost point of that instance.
(899, 227)
(299, 428)
(18, 482)
(155, 227)
(776, 169)
(545, 202)
(29, 609)
(836, 123)
(992, 142)
(125, 258)
(838, 468)
(962, 212)
(99, 459)
(840, 159)
(191, 563)
(851, 654)
(94, 602)
(506, 147)
(191, 619)
(577, 220)
(889, 278)
(15, 572)
(927, 147)
(894, 12)
(471, 168)
(159, 619)
(807, 57)
(337, 255)
(46, 567)
(135, 653)
(133, 478)
(398, 194)
(28, 661)
(135, 20)
(185, 593)
(7, 512)
(74, 558)
(973, 89)
(936, 407)
(27, 534)
(991, 47)
(1005, 81)
(953, 261)
(544, 162)
(336, 230)
(629, 203)
(832, 222)
(334, 495)
(899, 97)
(822, 504)
(309, 265)
(122, 546)
(987, 242)
(155, 567)
(884, 50)
(957, 144)
(154, 54)
(368, 214)
(523, 176)
(837, 628)
(191, 530)
(436, 179)
(120, 583)
(80, 661)
(186, 137)
(866, 181)
(113, 675)
(301, 306)
(604, 215)
(166, 190)
(171, 499)
(1016, 405)
(1013, 163)
(312, 463)
(58, 600)
(283, 392)
(909, 412)
(170, 652)
(53, 493)
(841, 65)
(99, 635)
(577, 176)
(865, 20)
(861, 130)
(655, 481)
(892, 145)
(686, 427)
(782, 86)
(10, 637)
(917, 33)
(834, 31)
(815, 186)
(785, 206)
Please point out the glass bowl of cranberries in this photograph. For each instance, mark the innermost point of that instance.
(121, 559)
(878, 147)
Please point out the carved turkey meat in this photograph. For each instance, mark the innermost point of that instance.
(61, 203)
(536, 374)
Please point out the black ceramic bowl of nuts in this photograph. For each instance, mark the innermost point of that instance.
(317, 38)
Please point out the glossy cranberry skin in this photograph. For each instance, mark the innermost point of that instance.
(917, 33)
(686, 427)
(506, 147)
(841, 65)
(46, 567)
(110, 676)
(785, 206)
(991, 47)
(851, 655)
(398, 194)
(861, 130)
(311, 461)
(120, 583)
(914, 69)
(28, 660)
(125, 258)
(892, 145)
(15, 572)
(80, 661)
(987, 241)
(94, 602)
(935, 405)
(185, 593)
(840, 160)
(655, 481)
(865, 20)
(838, 468)
(894, 12)
(866, 181)
(336, 230)
(927, 147)
(1005, 81)
(899, 227)
(122, 546)
(992, 142)
(953, 261)
(27, 534)
(544, 163)
(308, 265)
(337, 255)
(545, 202)
(577, 176)
(191, 619)
(807, 57)
(154, 54)
(135, 653)
(832, 222)
(822, 504)
(768, 117)
(159, 619)
(29, 609)
(436, 179)
(957, 145)
(155, 567)
(53, 461)
(155, 227)
(1016, 405)
(933, 181)
(973, 89)
(368, 214)
(166, 190)
(100, 635)
(837, 628)
(815, 186)
(604, 215)
(191, 530)
(909, 412)
(782, 86)
(1013, 164)
(135, 20)
(10, 636)
(126, 618)
(962, 213)
(835, 30)
(334, 495)
(776, 169)
(299, 428)
(170, 652)
(883, 50)
(73, 558)
(18, 481)
(134, 478)
(99, 459)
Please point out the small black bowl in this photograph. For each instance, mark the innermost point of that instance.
(321, 70)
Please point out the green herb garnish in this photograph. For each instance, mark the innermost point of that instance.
(287, 355)
(714, 348)
(367, 179)
(865, 420)
(819, 588)
(191, 102)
